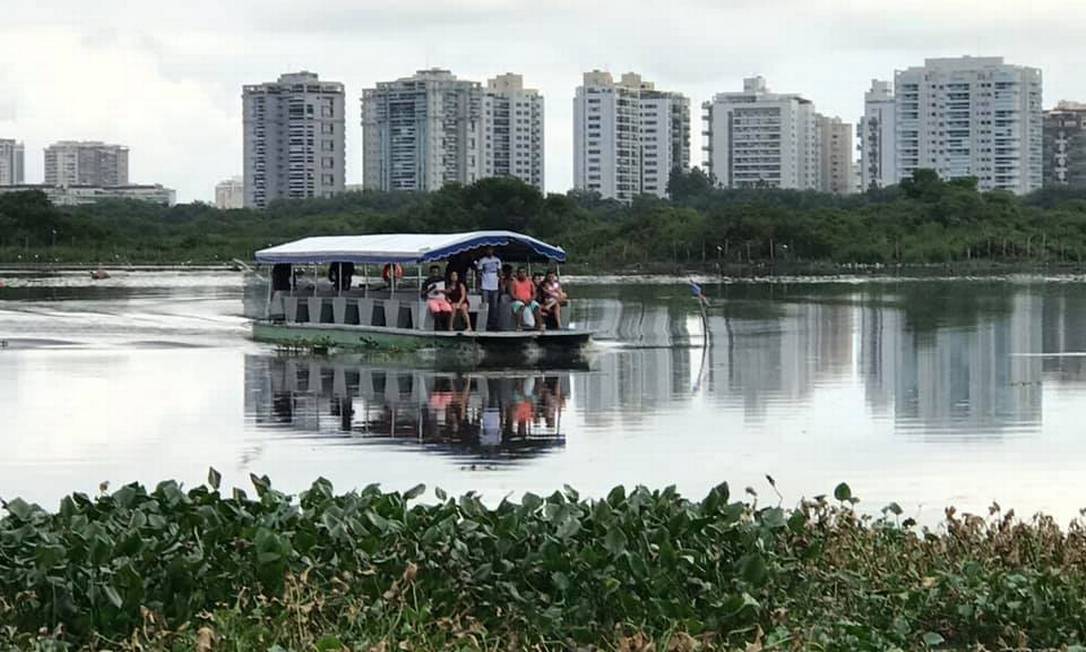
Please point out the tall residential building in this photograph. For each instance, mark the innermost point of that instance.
(971, 117)
(230, 193)
(513, 130)
(1065, 145)
(86, 163)
(756, 138)
(12, 162)
(878, 137)
(835, 155)
(421, 132)
(294, 139)
(628, 136)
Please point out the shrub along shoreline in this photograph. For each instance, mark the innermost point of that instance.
(204, 569)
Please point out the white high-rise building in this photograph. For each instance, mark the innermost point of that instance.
(971, 117)
(513, 130)
(835, 155)
(627, 136)
(756, 138)
(86, 163)
(878, 137)
(294, 139)
(421, 132)
(12, 162)
(230, 193)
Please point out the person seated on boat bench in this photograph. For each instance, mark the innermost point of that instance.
(433, 290)
(553, 298)
(457, 297)
(523, 292)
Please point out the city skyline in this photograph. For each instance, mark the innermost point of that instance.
(175, 73)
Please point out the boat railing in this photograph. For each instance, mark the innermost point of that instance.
(399, 309)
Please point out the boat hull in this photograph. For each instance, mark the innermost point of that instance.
(503, 347)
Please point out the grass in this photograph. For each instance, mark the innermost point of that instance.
(180, 570)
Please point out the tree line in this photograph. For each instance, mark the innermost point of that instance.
(923, 220)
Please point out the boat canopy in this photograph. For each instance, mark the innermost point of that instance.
(407, 248)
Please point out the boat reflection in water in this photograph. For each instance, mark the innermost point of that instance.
(496, 417)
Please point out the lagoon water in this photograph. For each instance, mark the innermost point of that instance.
(924, 392)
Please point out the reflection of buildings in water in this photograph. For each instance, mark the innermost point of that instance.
(1063, 316)
(490, 414)
(628, 383)
(636, 322)
(965, 379)
(759, 362)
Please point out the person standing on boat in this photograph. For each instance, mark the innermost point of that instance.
(489, 268)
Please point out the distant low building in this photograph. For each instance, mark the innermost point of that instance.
(1065, 145)
(12, 163)
(86, 163)
(82, 195)
(230, 193)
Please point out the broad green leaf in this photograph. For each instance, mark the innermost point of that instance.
(615, 540)
(752, 569)
(113, 596)
(440, 493)
(415, 492)
(933, 639)
(18, 508)
(213, 478)
(842, 492)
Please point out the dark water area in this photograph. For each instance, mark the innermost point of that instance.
(925, 392)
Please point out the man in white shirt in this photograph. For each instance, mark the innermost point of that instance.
(489, 268)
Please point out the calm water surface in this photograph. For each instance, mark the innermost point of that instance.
(923, 392)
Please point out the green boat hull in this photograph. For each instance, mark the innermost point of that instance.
(474, 348)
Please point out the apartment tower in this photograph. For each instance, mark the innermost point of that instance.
(971, 117)
(627, 136)
(1064, 145)
(513, 130)
(12, 162)
(878, 137)
(756, 138)
(421, 132)
(86, 163)
(294, 139)
(835, 155)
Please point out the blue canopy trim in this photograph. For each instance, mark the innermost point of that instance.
(537, 247)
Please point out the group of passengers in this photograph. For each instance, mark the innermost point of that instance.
(534, 301)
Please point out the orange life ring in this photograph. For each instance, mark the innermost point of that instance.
(386, 273)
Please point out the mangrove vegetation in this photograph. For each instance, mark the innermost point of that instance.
(922, 221)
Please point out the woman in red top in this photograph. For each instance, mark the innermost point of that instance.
(523, 291)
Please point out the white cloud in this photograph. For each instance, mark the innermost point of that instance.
(165, 77)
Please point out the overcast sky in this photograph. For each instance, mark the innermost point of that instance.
(165, 78)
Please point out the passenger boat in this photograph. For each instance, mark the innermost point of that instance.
(315, 301)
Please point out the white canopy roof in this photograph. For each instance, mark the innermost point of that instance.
(406, 248)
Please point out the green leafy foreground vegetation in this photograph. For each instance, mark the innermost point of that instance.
(639, 570)
(922, 221)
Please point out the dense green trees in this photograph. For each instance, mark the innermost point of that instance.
(924, 220)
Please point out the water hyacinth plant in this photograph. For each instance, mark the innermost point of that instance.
(638, 570)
